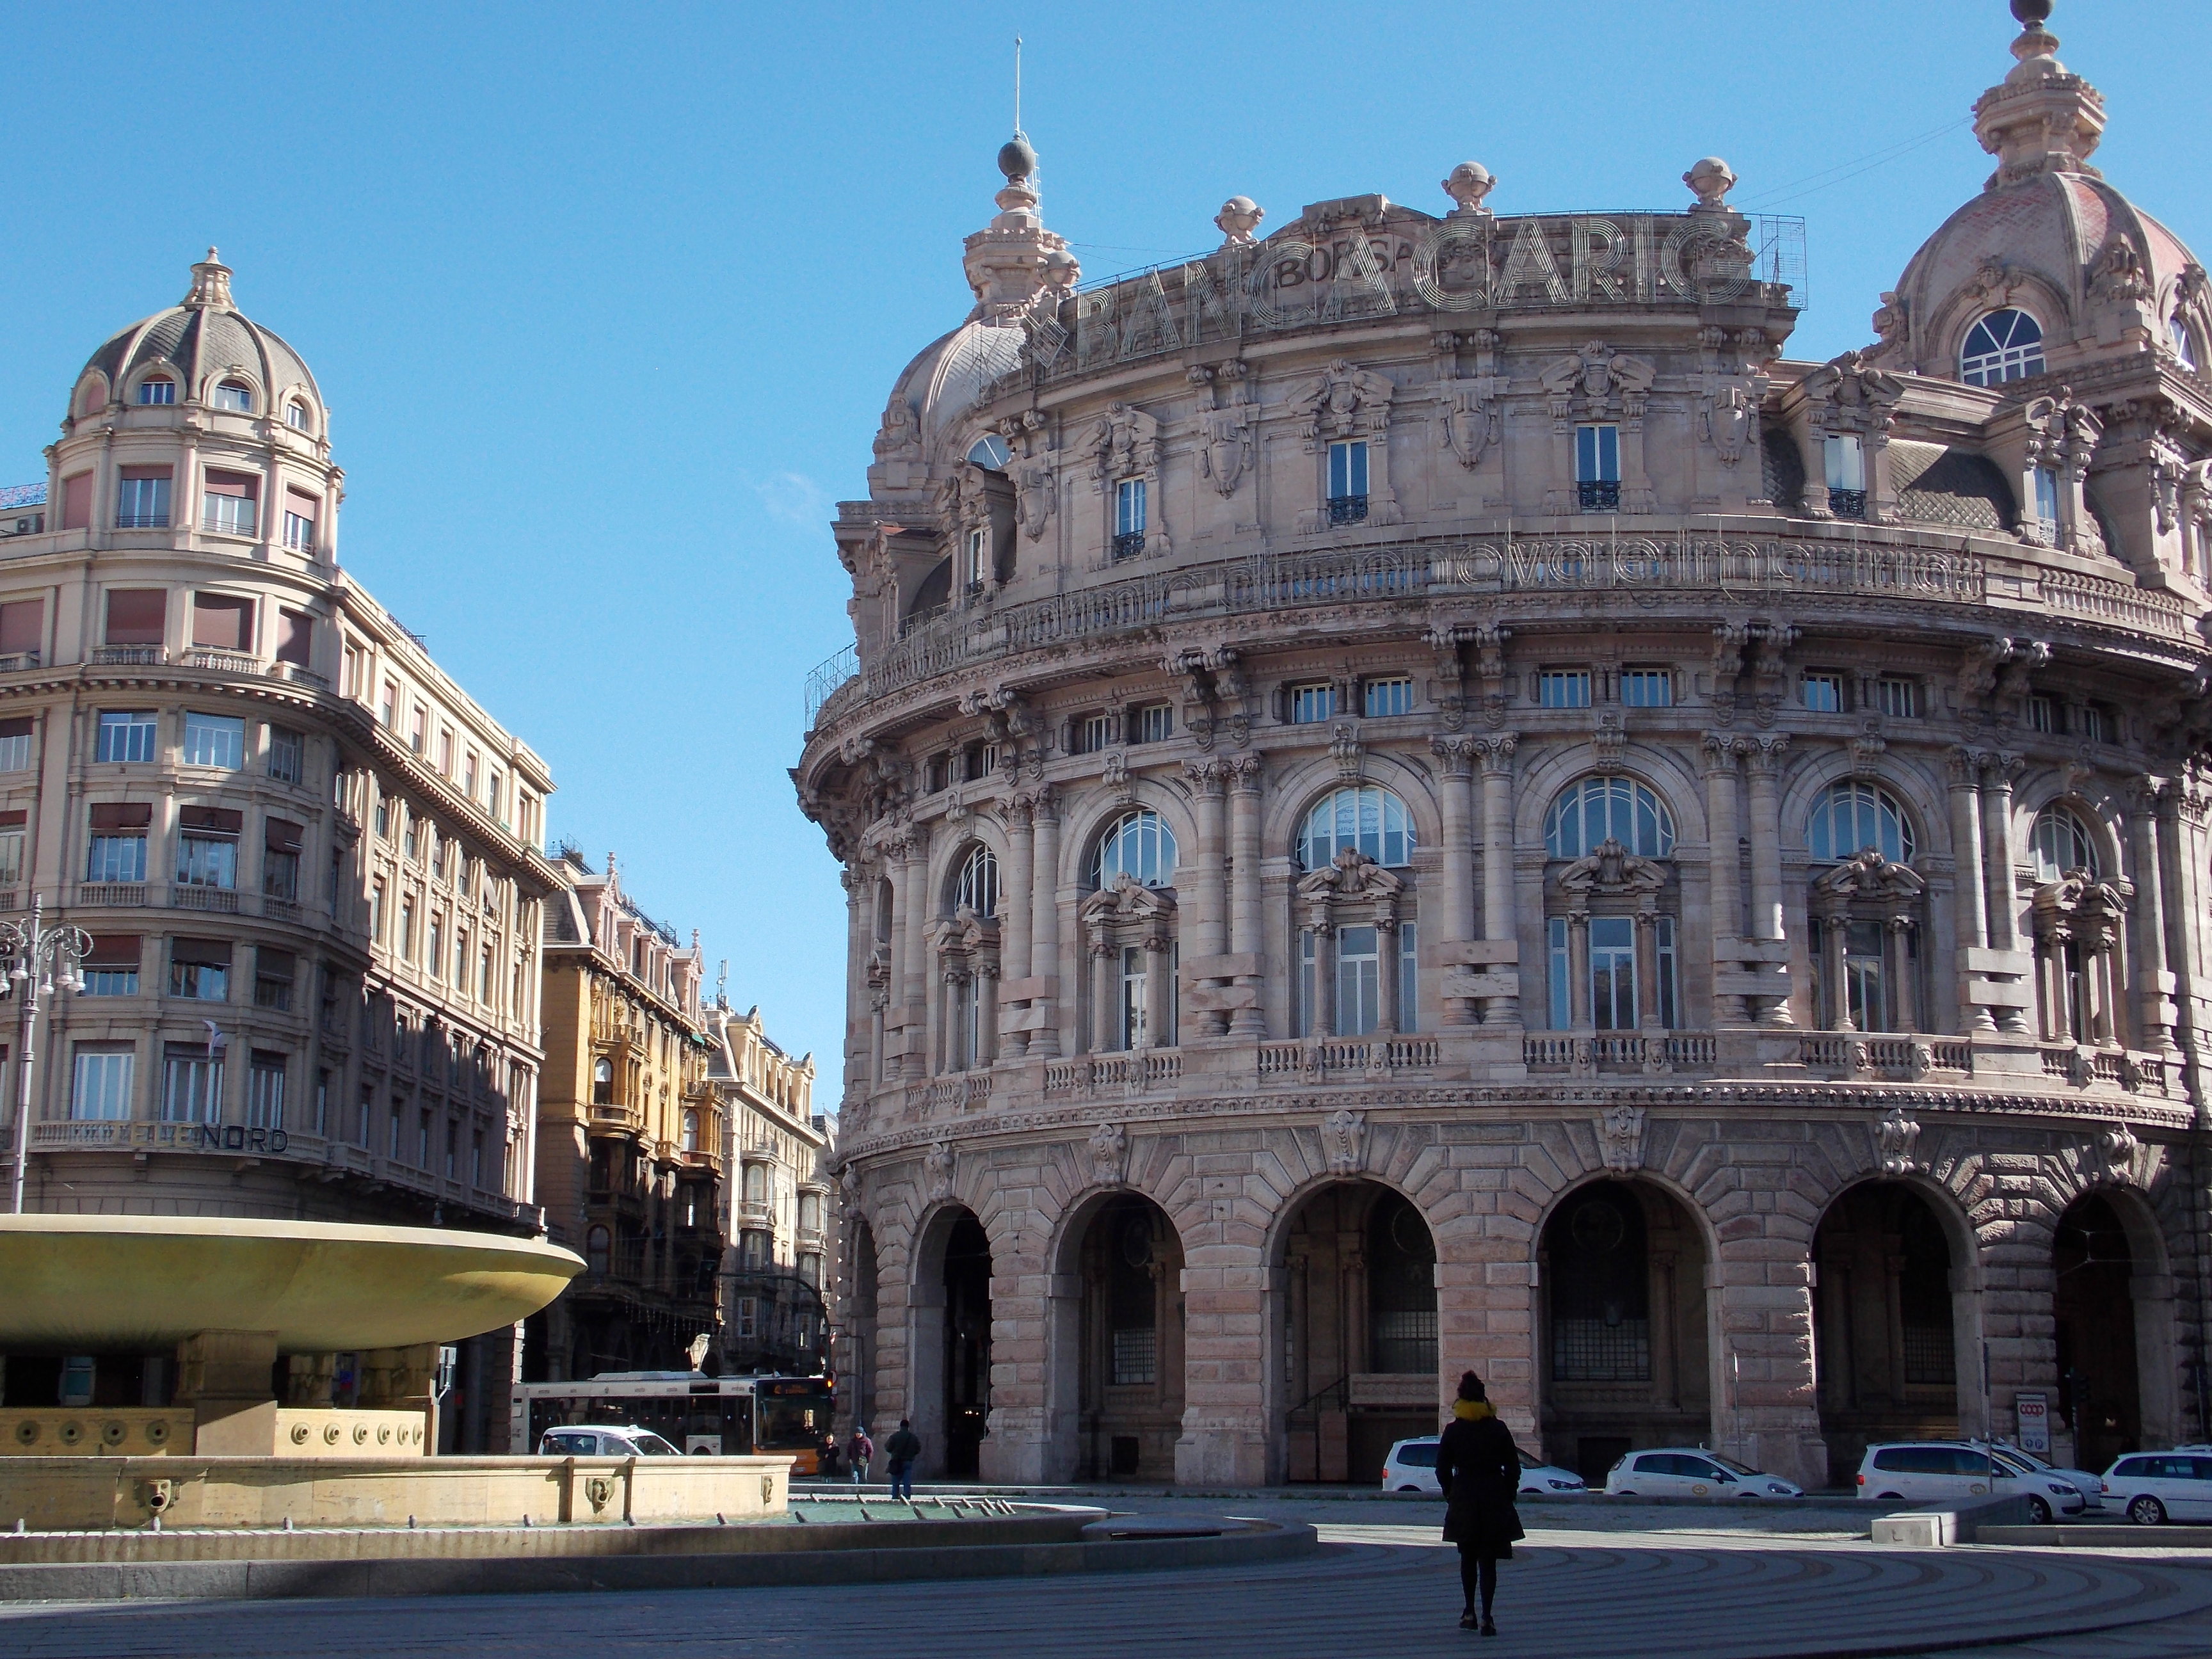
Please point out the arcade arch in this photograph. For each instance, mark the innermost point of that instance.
(950, 1371)
(1116, 1377)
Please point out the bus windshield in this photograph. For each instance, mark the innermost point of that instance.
(793, 1414)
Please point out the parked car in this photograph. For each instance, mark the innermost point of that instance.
(1692, 1472)
(1930, 1471)
(2088, 1482)
(2151, 1488)
(1411, 1466)
(602, 1440)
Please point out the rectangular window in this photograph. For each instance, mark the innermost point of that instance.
(110, 968)
(207, 846)
(1558, 982)
(1380, 698)
(1310, 705)
(11, 848)
(117, 852)
(1096, 733)
(393, 1144)
(1129, 518)
(407, 928)
(418, 729)
(200, 968)
(295, 637)
(76, 502)
(1134, 1000)
(469, 776)
(1822, 693)
(1612, 972)
(16, 744)
(157, 390)
(232, 502)
(435, 961)
(1647, 688)
(483, 977)
(376, 913)
(1155, 722)
(299, 514)
(496, 797)
(127, 735)
(1562, 688)
(265, 1090)
(2047, 497)
(1670, 978)
(274, 974)
(280, 860)
(388, 710)
(214, 740)
(1899, 698)
(1845, 462)
(2042, 714)
(422, 1140)
(99, 1090)
(1597, 469)
(286, 750)
(2100, 724)
(192, 1084)
(23, 628)
(357, 670)
(142, 499)
(136, 615)
(1347, 481)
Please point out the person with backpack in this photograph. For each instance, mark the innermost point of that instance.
(903, 1449)
(1479, 1469)
(860, 1450)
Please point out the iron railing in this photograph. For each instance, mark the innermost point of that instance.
(1348, 509)
(1847, 503)
(1129, 544)
(1598, 494)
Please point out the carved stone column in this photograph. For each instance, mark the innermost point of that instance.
(1765, 756)
(1836, 971)
(1323, 1025)
(1723, 871)
(2154, 982)
(1015, 895)
(1045, 924)
(1905, 995)
(1997, 874)
(987, 1014)
(1159, 990)
(1207, 880)
(1455, 758)
(1105, 993)
(1386, 974)
(949, 1033)
(1578, 967)
(1500, 936)
(1244, 919)
(1968, 900)
(1649, 1016)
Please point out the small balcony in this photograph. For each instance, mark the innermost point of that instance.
(223, 662)
(615, 1118)
(1348, 509)
(152, 519)
(221, 901)
(1847, 503)
(1598, 494)
(1129, 544)
(112, 893)
(15, 662)
(126, 656)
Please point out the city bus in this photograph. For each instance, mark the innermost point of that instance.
(706, 1416)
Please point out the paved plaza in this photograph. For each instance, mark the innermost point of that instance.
(1659, 1583)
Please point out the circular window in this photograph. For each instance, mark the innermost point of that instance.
(1598, 1228)
(1137, 845)
(1367, 819)
(1852, 817)
(1590, 811)
(2005, 345)
(2062, 843)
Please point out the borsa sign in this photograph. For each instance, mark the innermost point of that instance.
(1305, 276)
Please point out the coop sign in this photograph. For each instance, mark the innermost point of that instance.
(1463, 263)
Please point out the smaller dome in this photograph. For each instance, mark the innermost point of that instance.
(199, 341)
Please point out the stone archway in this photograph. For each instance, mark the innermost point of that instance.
(856, 1356)
(1359, 1323)
(1117, 1350)
(2093, 1305)
(1885, 1330)
(1623, 1350)
(948, 1371)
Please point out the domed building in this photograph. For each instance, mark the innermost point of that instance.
(302, 860)
(1416, 793)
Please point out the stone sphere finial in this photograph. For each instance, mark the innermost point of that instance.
(1016, 159)
(1239, 217)
(1469, 183)
(1711, 179)
(2033, 14)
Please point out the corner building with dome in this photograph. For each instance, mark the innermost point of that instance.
(305, 862)
(1416, 793)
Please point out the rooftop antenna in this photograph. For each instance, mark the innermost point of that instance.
(1019, 133)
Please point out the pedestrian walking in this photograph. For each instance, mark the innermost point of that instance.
(860, 1450)
(1479, 1470)
(902, 1448)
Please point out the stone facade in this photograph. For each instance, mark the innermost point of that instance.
(629, 1137)
(303, 856)
(1416, 794)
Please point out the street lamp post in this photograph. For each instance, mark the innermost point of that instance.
(35, 952)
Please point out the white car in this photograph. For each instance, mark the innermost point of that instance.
(2089, 1484)
(1411, 1466)
(602, 1440)
(2153, 1487)
(1931, 1471)
(1692, 1472)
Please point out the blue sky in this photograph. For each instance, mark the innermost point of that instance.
(606, 300)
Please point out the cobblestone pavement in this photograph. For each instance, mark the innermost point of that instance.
(1687, 1584)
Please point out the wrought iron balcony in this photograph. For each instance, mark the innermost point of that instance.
(1348, 509)
(1847, 503)
(126, 519)
(1129, 544)
(1598, 494)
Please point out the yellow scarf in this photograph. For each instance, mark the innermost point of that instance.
(1472, 1411)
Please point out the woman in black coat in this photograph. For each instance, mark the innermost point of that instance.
(1479, 1470)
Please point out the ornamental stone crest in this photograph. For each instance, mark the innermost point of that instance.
(938, 1166)
(1620, 1135)
(1109, 1145)
(1343, 1141)
(1895, 1139)
(1609, 867)
(2110, 1160)
(1344, 401)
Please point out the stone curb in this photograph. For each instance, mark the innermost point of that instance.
(2093, 1536)
(289, 1580)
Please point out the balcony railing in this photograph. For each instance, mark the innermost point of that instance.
(125, 655)
(1129, 544)
(1348, 509)
(1598, 494)
(1591, 1052)
(1894, 1056)
(125, 519)
(228, 515)
(1847, 503)
(15, 662)
(1379, 1054)
(227, 662)
(222, 899)
(112, 893)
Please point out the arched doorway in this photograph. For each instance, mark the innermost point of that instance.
(2099, 1391)
(1126, 1348)
(1624, 1347)
(855, 1358)
(1360, 1325)
(949, 1372)
(1886, 1342)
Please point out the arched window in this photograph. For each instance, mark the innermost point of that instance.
(157, 389)
(2005, 345)
(2062, 844)
(2185, 349)
(977, 888)
(1136, 844)
(990, 452)
(1367, 819)
(595, 1250)
(757, 1185)
(295, 416)
(1591, 810)
(1854, 815)
(603, 1082)
(691, 1131)
(235, 396)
